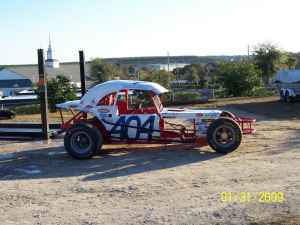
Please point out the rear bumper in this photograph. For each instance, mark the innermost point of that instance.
(246, 124)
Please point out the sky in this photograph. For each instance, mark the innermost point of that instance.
(126, 28)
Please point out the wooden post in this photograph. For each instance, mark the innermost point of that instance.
(82, 72)
(43, 94)
(82, 76)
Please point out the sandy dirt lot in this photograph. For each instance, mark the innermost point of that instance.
(169, 184)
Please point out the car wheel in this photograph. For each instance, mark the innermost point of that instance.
(224, 135)
(83, 141)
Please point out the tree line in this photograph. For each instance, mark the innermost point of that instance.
(237, 78)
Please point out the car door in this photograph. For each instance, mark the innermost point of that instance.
(136, 117)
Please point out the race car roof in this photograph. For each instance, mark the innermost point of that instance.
(99, 91)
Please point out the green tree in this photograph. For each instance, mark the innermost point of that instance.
(239, 78)
(145, 74)
(267, 58)
(191, 74)
(291, 62)
(131, 70)
(59, 90)
(194, 73)
(101, 71)
(161, 77)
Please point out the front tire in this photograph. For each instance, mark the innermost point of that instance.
(83, 141)
(224, 135)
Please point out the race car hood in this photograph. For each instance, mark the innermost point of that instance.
(69, 105)
(172, 113)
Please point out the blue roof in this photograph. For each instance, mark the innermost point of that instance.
(11, 79)
(6, 74)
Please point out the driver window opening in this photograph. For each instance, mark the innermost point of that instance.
(139, 100)
(136, 102)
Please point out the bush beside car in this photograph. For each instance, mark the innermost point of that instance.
(179, 98)
(27, 110)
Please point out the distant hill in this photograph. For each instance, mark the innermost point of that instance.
(144, 60)
(71, 69)
(173, 59)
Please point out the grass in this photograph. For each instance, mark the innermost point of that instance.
(36, 118)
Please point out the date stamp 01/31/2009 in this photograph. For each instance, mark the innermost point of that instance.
(249, 197)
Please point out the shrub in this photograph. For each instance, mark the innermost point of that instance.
(239, 78)
(220, 93)
(59, 90)
(187, 86)
(187, 97)
(27, 109)
(181, 98)
(262, 92)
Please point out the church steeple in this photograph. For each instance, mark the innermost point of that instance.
(50, 61)
(49, 51)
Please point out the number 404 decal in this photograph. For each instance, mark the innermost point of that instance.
(123, 124)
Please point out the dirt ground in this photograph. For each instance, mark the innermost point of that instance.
(169, 184)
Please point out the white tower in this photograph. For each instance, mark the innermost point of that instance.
(50, 62)
(49, 51)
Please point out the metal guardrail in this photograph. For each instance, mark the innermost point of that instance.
(28, 125)
(24, 130)
(18, 102)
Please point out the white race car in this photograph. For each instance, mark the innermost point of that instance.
(121, 111)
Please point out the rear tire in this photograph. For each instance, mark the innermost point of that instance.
(224, 135)
(83, 141)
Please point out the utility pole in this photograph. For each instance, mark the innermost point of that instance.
(248, 49)
(43, 94)
(168, 53)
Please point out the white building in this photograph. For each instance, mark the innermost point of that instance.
(167, 67)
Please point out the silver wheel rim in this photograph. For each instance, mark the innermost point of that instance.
(224, 136)
(81, 142)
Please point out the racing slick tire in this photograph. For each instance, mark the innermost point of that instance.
(83, 141)
(224, 135)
